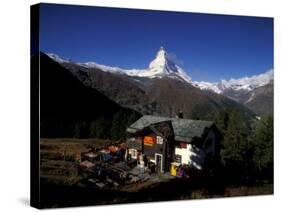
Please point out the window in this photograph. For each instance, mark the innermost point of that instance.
(134, 153)
(178, 158)
(159, 140)
(183, 145)
(132, 139)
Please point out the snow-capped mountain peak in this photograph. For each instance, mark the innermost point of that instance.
(163, 66)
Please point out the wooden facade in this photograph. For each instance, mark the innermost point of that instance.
(156, 143)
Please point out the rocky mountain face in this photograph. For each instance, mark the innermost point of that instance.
(164, 88)
(260, 100)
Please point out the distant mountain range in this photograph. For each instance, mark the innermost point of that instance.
(165, 88)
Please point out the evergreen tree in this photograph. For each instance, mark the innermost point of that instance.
(263, 145)
(235, 140)
(116, 126)
(100, 128)
(121, 121)
(81, 130)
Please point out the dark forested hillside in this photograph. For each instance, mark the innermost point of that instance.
(69, 109)
(171, 96)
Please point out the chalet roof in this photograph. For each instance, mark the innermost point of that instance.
(184, 129)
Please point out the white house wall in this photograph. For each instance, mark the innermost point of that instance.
(184, 153)
(195, 156)
(191, 156)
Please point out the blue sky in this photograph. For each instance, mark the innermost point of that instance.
(208, 47)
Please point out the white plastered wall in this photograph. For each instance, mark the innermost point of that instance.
(195, 156)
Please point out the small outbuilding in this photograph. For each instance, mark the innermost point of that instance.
(166, 141)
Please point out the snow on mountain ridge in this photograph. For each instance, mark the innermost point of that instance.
(244, 83)
(102, 67)
(207, 86)
(130, 72)
(58, 59)
(248, 83)
(105, 68)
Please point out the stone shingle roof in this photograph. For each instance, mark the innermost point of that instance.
(184, 129)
